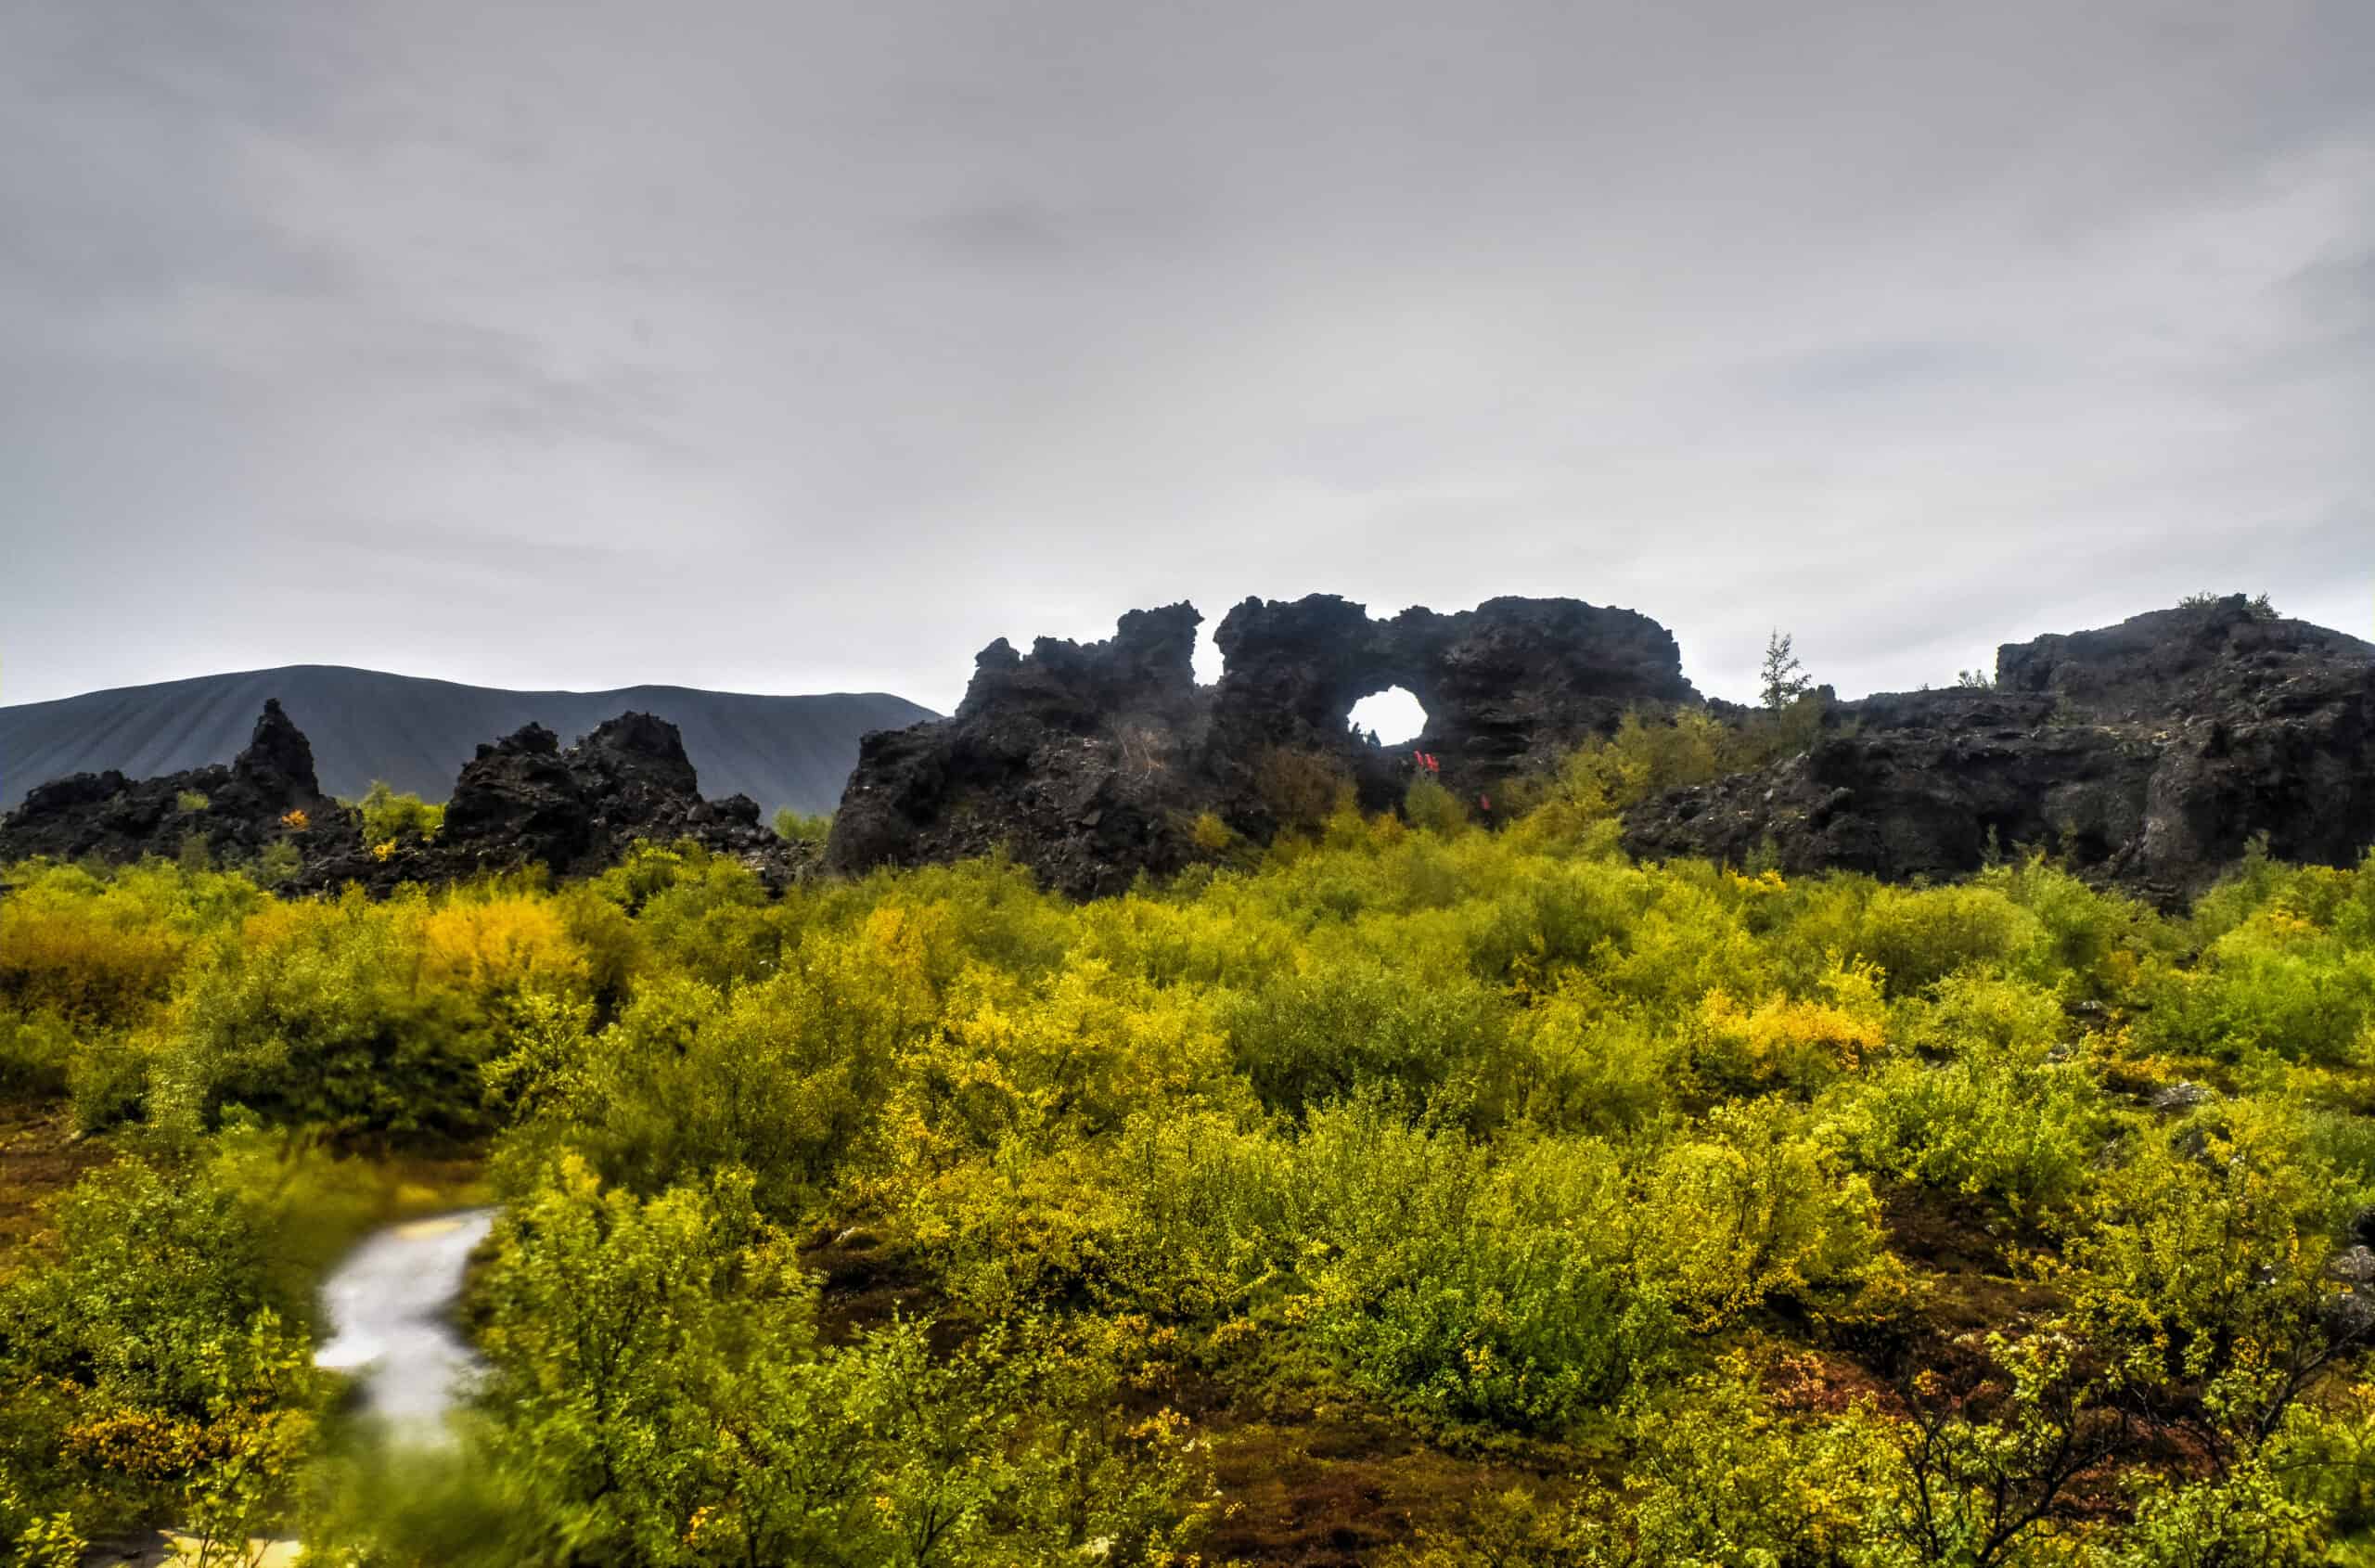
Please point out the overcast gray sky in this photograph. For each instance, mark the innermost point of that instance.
(793, 347)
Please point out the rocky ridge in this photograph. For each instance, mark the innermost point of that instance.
(267, 795)
(525, 800)
(2147, 755)
(1093, 764)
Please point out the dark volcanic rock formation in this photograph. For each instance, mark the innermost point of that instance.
(522, 801)
(264, 796)
(525, 800)
(1514, 681)
(1091, 764)
(2148, 754)
(1081, 759)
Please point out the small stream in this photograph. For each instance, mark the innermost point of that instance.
(389, 1305)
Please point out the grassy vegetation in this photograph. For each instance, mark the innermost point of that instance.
(803, 828)
(391, 819)
(1407, 1193)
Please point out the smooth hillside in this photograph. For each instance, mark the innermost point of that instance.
(416, 733)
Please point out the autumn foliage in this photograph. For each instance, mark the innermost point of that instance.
(1700, 1215)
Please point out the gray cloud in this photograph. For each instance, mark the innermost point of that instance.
(796, 347)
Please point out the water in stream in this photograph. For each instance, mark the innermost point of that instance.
(390, 1304)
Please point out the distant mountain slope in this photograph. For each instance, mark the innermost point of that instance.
(416, 733)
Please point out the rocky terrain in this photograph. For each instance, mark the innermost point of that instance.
(1093, 764)
(525, 800)
(415, 732)
(267, 795)
(2148, 754)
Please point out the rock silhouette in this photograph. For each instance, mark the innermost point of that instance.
(522, 801)
(2148, 755)
(1093, 763)
(266, 796)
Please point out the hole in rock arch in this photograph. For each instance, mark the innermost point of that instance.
(1393, 713)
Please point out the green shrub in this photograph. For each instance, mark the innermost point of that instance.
(688, 1083)
(146, 1269)
(1753, 1209)
(107, 1079)
(1984, 1105)
(1584, 1063)
(1474, 1291)
(658, 1395)
(37, 1055)
(1431, 808)
(2093, 941)
(147, 1366)
(2275, 982)
(697, 913)
(1724, 1479)
(1523, 1287)
(2205, 1263)
(1434, 1276)
(1303, 1039)
(2020, 1132)
(362, 1017)
(1920, 936)
(801, 827)
(2252, 1515)
(392, 817)
(277, 864)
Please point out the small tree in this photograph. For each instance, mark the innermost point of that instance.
(392, 817)
(2259, 607)
(1785, 679)
(800, 827)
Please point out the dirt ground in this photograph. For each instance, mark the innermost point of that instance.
(39, 1156)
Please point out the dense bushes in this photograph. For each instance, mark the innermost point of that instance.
(352, 1016)
(153, 1369)
(1494, 1134)
(659, 1396)
(101, 953)
(390, 817)
(1984, 1104)
(1303, 1039)
(1466, 1286)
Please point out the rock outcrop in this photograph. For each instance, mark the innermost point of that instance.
(522, 801)
(1093, 763)
(525, 800)
(266, 796)
(1080, 760)
(1511, 684)
(2146, 755)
